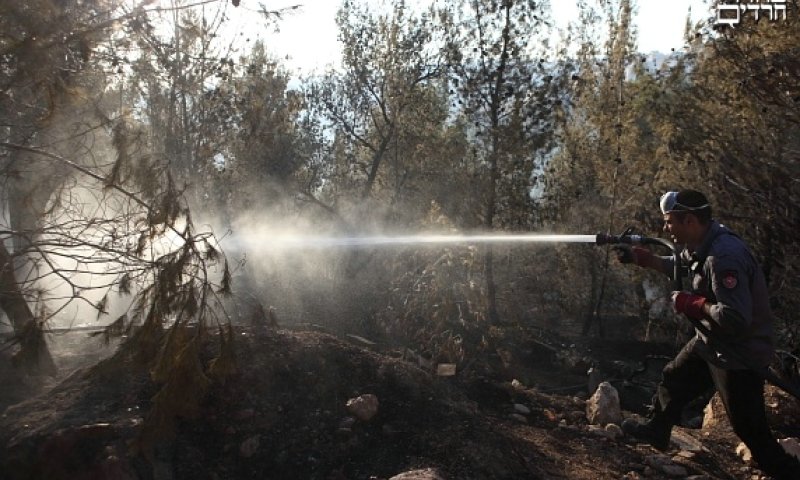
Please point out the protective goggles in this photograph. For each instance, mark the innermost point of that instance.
(669, 203)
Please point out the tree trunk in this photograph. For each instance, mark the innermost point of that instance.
(377, 158)
(33, 355)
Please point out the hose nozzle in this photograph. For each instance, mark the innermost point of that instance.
(608, 239)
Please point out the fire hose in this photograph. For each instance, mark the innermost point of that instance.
(719, 344)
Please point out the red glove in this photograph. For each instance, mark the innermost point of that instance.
(689, 304)
(636, 255)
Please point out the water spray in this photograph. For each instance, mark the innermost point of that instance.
(326, 241)
(288, 241)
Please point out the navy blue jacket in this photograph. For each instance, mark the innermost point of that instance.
(724, 271)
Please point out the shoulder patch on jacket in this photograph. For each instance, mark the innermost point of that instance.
(730, 279)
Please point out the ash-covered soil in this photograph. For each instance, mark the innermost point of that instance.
(284, 416)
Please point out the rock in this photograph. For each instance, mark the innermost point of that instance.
(363, 407)
(424, 474)
(744, 453)
(551, 415)
(603, 408)
(446, 369)
(791, 445)
(517, 385)
(614, 430)
(519, 418)
(683, 455)
(249, 447)
(600, 431)
(685, 441)
(632, 476)
(714, 417)
(520, 408)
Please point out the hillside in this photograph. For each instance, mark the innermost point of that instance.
(284, 416)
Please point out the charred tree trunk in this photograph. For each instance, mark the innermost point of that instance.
(33, 355)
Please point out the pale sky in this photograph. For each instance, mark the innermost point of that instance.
(308, 36)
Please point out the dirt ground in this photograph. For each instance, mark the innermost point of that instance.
(284, 416)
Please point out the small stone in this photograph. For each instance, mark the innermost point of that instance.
(614, 430)
(517, 385)
(685, 441)
(562, 423)
(714, 417)
(791, 446)
(683, 455)
(520, 408)
(424, 474)
(249, 447)
(519, 418)
(632, 476)
(603, 407)
(744, 453)
(363, 407)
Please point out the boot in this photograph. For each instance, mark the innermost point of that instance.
(656, 433)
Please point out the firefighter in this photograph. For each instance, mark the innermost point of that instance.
(728, 294)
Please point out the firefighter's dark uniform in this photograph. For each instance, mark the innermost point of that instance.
(724, 271)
